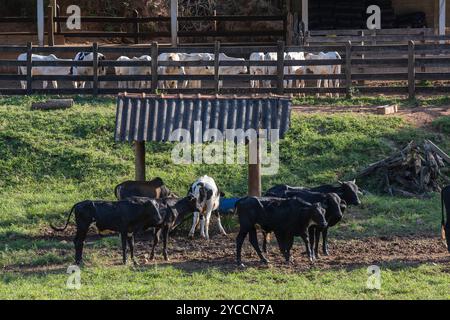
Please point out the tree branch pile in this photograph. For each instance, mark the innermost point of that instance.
(413, 171)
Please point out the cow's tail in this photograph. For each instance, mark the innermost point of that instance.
(67, 222)
(443, 217)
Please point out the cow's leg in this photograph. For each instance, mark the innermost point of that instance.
(319, 83)
(254, 242)
(325, 242)
(130, 240)
(202, 226)
(266, 236)
(447, 234)
(165, 234)
(289, 240)
(305, 238)
(219, 223)
(123, 237)
(79, 242)
(55, 84)
(155, 242)
(195, 219)
(44, 84)
(208, 220)
(281, 243)
(239, 241)
(312, 238)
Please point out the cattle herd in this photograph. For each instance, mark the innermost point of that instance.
(145, 70)
(284, 210)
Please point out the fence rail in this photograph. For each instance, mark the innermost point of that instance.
(408, 66)
(159, 24)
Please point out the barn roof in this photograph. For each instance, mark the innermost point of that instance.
(154, 118)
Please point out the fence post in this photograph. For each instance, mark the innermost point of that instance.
(348, 68)
(58, 14)
(50, 26)
(411, 70)
(95, 68)
(29, 68)
(154, 55)
(280, 67)
(216, 67)
(136, 27)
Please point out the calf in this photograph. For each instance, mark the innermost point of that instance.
(332, 203)
(445, 203)
(285, 217)
(151, 189)
(127, 217)
(208, 196)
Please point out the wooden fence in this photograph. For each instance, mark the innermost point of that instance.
(405, 63)
(373, 37)
(55, 26)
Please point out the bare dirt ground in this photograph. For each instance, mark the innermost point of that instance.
(417, 116)
(219, 253)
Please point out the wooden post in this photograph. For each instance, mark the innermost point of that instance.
(40, 21)
(174, 22)
(254, 174)
(215, 21)
(411, 70)
(50, 26)
(348, 68)
(139, 151)
(290, 33)
(442, 18)
(280, 67)
(58, 14)
(216, 67)
(95, 68)
(422, 69)
(29, 68)
(154, 55)
(285, 28)
(136, 27)
(305, 14)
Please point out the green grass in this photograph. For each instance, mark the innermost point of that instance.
(51, 160)
(379, 100)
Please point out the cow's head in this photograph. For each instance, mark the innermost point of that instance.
(350, 192)
(102, 69)
(333, 205)
(317, 213)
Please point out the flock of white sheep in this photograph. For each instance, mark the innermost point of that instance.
(145, 69)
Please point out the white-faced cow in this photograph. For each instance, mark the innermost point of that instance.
(86, 70)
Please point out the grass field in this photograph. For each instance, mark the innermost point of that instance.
(51, 160)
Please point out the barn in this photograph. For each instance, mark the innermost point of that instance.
(351, 14)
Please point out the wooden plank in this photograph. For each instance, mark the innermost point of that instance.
(385, 110)
(136, 29)
(439, 151)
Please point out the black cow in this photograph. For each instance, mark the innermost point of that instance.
(150, 189)
(445, 203)
(126, 217)
(347, 190)
(285, 217)
(334, 208)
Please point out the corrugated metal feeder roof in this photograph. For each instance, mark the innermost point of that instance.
(154, 118)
